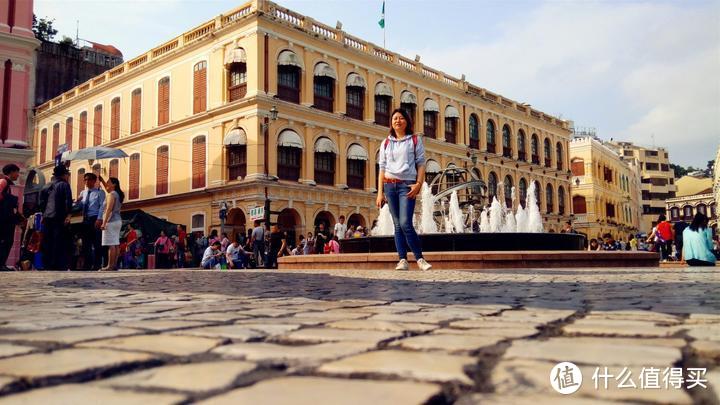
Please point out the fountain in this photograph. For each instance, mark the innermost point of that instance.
(450, 202)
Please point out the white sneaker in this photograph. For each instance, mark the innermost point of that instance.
(402, 265)
(424, 265)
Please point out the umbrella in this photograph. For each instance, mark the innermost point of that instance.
(94, 153)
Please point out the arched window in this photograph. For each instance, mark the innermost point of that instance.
(80, 181)
(430, 113)
(115, 119)
(325, 152)
(69, 133)
(135, 111)
(546, 150)
(474, 132)
(324, 87)
(702, 209)
(114, 168)
(492, 186)
(432, 168)
(538, 194)
(197, 223)
(290, 146)
(549, 198)
(688, 213)
(408, 102)
(477, 190)
(521, 146)
(237, 81)
(451, 123)
(162, 170)
(43, 146)
(236, 145)
(199, 87)
(355, 96)
(559, 155)
(357, 156)
(198, 162)
(134, 177)
(490, 134)
(522, 186)
(507, 145)
(383, 103)
(561, 200)
(289, 70)
(508, 185)
(675, 213)
(82, 136)
(164, 101)
(534, 152)
(97, 125)
(55, 140)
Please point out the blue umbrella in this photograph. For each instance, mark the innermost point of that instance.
(94, 153)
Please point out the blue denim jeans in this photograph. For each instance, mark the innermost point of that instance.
(402, 209)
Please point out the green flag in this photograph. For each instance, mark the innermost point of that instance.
(382, 17)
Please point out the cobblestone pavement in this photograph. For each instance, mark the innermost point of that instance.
(355, 337)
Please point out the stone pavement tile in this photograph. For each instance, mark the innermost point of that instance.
(703, 318)
(617, 327)
(404, 364)
(333, 315)
(314, 390)
(292, 355)
(38, 324)
(535, 315)
(72, 335)
(337, 335)
(161, 324)
(452, 343)
(534, 399)
(707, 349)
(86, 394)
(532, 377)
(647, 316)
(505, 333)
(64, 362)
(599, 351)
(382, 325)
(7, 349)
(494, 323)
(282, 321)
(386, 309)
(271, 312)
(704, 332)
(414, 317)
(271, 329)
(5, 381)
(212, 317)
(236, 332)
(166, 344)
(196, 377)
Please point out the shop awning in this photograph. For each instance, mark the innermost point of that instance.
(357, 152)
(407, 97)
(235, 136)
(236, 55)
(356, 80)
(451, 112)
(382, 89)
(290, 138)
(323, 69)
(289, 58)
(431, 105)
(325, 145)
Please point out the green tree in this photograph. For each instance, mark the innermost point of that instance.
(66, 41)
(678, 170)
(43, 28)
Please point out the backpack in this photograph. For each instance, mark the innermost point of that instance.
(664, 230)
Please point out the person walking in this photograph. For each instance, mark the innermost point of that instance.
(698, 243)
(112, 222)
(162, 250)
(180, 246)
(257, 241)
(91, 201)
(340, 228)
(9, 213)
(321, 238)
(402, 172)
(277, 245)
(56, 204)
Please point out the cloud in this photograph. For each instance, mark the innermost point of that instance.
(631, 69)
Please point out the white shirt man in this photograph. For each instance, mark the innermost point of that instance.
(340, 228)
(236, 256)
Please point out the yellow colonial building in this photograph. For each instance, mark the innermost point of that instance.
(606, 189)
(264, 102)
(694, 194)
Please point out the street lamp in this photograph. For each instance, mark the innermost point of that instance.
(223, 215)
(265, 129)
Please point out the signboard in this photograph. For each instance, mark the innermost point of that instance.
(257, 213)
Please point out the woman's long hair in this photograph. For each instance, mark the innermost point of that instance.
(116, 183)
(409, 128)
(699, 222)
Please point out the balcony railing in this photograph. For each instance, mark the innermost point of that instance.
(450, 137)
(290, 94)
(237, 92)
(491, 148)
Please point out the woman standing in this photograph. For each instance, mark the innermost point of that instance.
(162, 250)
(698, 243)
(111, 221)
(402, 172)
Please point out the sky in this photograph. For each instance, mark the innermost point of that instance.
(641, 71)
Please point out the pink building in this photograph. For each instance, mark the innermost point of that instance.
(17, 53)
